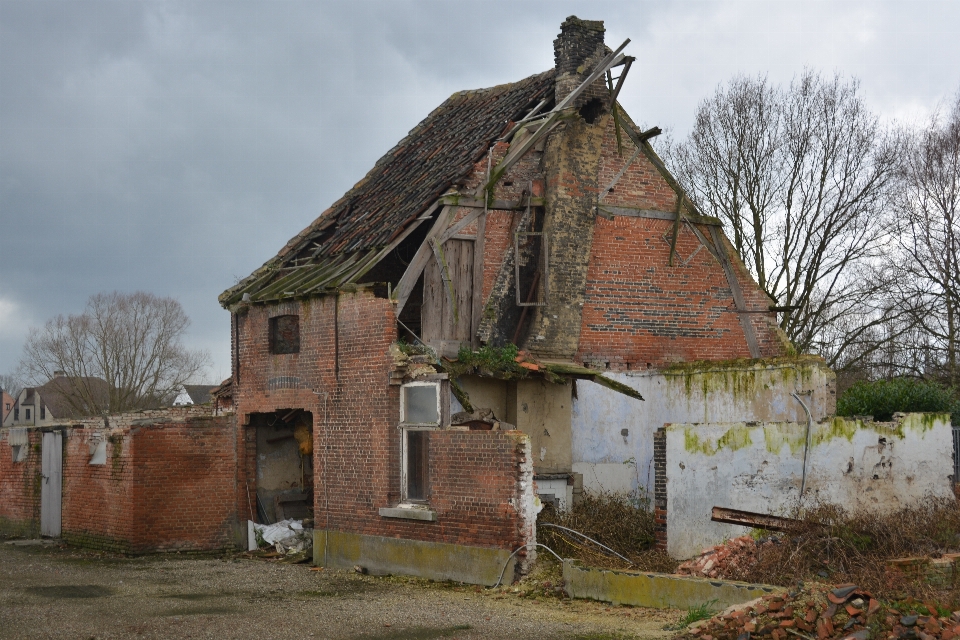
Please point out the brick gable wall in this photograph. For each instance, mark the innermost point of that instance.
(638, 311)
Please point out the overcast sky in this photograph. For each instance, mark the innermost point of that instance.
(173, 147)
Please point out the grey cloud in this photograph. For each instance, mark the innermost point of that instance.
(175, 146)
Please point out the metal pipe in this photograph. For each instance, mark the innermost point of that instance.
(585, 537)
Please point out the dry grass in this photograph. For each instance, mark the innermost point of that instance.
(832, 545)
(618, 521)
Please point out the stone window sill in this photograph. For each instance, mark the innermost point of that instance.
(409, 512)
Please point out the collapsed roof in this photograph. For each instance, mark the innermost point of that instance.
(350, 237)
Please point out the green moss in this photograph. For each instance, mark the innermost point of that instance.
(835, 428)
(736, 437)
(777, 434)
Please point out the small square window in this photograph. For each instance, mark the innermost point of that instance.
(420, 404)
(285, 334)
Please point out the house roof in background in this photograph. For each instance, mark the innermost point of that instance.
(199, 393)
(55, 392)
(438, 152)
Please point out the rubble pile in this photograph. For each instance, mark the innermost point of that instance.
(725, 560)
(820, 612)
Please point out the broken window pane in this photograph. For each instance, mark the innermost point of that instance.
(417, 469)
(285, 334)
(420, 404)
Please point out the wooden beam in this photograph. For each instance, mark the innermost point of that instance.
(479, 203)
(616, 178)
(676, 230)
(515, 153)
(476, 309)
(415, 268)
(757, 520)
(748, 331)
(359, 273)
(657, 215)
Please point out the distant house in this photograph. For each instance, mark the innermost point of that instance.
(193, 394)
(55, 401)
(6, 405)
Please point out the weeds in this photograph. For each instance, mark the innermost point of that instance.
(833, 544)
(615, 520)
(697, 613)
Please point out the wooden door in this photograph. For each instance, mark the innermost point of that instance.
(447, 311)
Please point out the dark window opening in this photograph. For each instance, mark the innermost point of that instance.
(532, 268)
(28, 414)
(592, 110)
(43, 412)
(417, 464)
(16, 414)
(285, 334)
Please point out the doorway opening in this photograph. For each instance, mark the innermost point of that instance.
(284, 470)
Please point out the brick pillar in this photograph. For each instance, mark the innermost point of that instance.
(660, 488)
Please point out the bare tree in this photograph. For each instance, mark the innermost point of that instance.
(928, 265)
(800, 177)
(10, 383)
(130, 341)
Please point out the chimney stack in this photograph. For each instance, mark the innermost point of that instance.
(576, 51)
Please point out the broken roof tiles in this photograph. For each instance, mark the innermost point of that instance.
(438, 152)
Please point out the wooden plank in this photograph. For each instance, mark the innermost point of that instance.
(756, 520)
(431, 313)
(359, 273)
(676, 229)
(748, 331)
(409, 279)
(476, 304)
(478, 203)
(463, 289)
(448, 258)
(518, 151)
(616, 179)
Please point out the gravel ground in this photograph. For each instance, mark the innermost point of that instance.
(59, 592)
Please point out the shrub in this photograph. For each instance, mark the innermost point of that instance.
(882, 398)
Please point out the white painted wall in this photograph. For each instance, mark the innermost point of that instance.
(698, 392)
(759, 467)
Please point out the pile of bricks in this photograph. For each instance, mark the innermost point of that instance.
(818, 611)
(724, 560)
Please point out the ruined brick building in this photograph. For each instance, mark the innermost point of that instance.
(533, 214)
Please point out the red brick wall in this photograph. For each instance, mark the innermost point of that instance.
(98, 500)
(184, 485)
(641, 186)
(20, 489)
(168, 484)
(343, 373)
(165, 486)
(641, 312)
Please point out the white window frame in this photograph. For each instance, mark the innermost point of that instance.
(442, 385)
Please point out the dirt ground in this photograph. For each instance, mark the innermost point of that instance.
(47, 591)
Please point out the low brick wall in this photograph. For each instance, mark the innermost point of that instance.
(168, 483)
